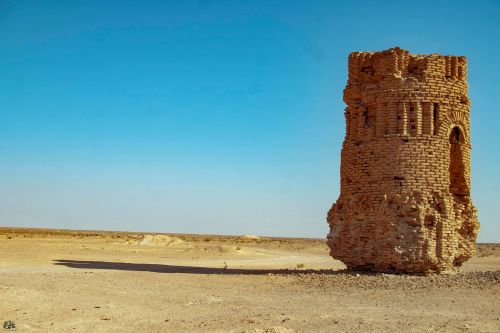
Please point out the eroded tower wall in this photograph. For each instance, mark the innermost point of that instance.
(405, 201)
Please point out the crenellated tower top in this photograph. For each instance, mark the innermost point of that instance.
(394, 92)
(371, 67)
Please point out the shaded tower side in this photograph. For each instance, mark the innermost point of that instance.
(404, 201)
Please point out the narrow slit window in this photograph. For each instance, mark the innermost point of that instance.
(435, 118)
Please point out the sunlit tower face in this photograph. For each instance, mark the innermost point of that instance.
(405, 174)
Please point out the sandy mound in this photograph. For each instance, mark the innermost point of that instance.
(219, 250)
(249, 237)
(163, 240)
(224, 249)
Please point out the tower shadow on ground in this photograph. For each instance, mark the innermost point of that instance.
(164, 268)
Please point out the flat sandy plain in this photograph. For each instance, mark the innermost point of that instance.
(82, 281)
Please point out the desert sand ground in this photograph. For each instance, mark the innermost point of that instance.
(68, 281)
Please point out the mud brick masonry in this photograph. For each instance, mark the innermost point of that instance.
(404, 203)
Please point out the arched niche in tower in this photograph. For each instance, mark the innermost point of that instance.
(458, 183)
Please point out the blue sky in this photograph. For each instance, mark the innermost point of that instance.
(221, 117)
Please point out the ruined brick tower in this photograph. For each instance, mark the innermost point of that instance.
(404, 203)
